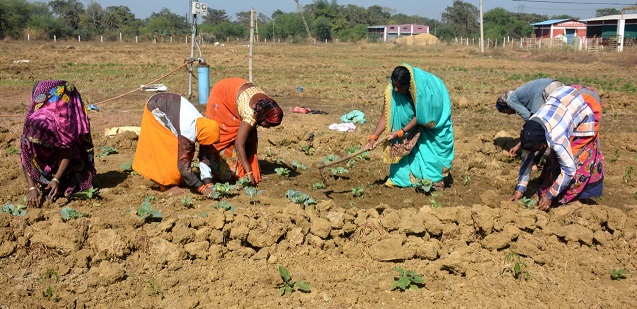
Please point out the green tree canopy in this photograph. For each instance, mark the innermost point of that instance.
(606, 12)
(462, 18)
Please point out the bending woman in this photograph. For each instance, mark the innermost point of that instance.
(417, 118)
(170, 127)
(56, 145)
(568, 123)
(238, 106)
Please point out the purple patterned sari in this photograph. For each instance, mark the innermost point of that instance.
(57, 123)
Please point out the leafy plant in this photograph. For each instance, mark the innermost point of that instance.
(18, 210)
(519, 267)
(107, 150)
(49, 275)
(300, 198)
(352, 150)
(628, 174)
(224, 206)
(529, 203)
(243, 182)
(252, 192)
(363, 156)
(338, 171)
(618, 274)
(153, 287)
(350, 163)
(88, 194)
(307, 149)
(329, 158)
(11, 151)
(187, 201)
(615, 156)
(434, 203)
(408, 280)
(145, 212)
(126, 167)
(358, 192)
(282, 171)
(279, 161)
(423, 185)
(69, 213)
(221, 189)
(288, 285)
(298, 165)
(466, 180)
(318, 186)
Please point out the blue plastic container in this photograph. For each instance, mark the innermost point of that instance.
(203, 77)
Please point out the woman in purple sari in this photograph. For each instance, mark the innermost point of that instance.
(56, 144)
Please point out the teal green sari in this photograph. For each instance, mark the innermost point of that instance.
(433, 151)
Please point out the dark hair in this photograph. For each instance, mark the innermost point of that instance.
(401, 75)
(532, 137)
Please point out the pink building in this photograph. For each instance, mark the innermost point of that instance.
(391, 32)
(568, 28)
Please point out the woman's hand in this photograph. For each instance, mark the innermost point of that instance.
(207, 191)
(370, 144)
(515, 149)
(251, 178)
(516, 196)
(53, 185)
(32, 198)
(544, 204)
(392, 135)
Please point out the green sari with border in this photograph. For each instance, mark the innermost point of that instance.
(433, 152)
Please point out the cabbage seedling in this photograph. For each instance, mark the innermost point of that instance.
(408, 280)
(87, 194)
(69, 213)
(282, 171)
(288, 285)
(221, 189)
(252, 192)
(14, 210)
(145, 212)
(358, 192)
(300, 198)
(423, 185)
(224, 206)
(618, 274)
(318, 186)
(298, 165)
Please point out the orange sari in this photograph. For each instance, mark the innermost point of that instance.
(222, 108)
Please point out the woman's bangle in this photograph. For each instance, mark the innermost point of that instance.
(201, 188)
(248, 173)
(401, 133)
(56, 180)
(32, 188)
(374, 137)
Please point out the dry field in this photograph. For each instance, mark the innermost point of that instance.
(198, 256)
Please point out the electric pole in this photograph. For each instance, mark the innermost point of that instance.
(298, 6)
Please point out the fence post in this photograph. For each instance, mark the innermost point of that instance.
(120, 36)
(79, 39)
(136, 41)
(101, 39)
(55, 38)
(28, 36)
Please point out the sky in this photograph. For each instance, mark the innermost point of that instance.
(582, 9)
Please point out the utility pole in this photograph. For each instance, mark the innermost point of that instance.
(481, 30)
(298, 6)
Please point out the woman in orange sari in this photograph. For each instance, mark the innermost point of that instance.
(238, 106)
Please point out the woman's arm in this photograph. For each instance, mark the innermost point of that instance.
(380, 127)
(32, 196)
(185, 153)
(54, 184)
(239, 146)
(524, 174)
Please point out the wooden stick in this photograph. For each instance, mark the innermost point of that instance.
(323, 165)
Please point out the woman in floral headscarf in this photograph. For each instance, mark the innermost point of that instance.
(56, 144)
(238, 106)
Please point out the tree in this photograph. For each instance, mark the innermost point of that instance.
(118, 17)
(462, 18)
(377, 15)
(68, 13)
(499, 23)
(563, 16)
(165, 23)
(606, 12)
(14, 16)
(322, 29)
(288, 26)
(215, 17)
(92, 21)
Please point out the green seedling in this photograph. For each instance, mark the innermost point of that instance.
(49, 275)
(358, 192)
(221, 190)
(69, 213)
(145, 212)
(615, 156)
(243, 182)
(408, 280)
(628, 175)
(12, 151)
(298, 165)
(466, 180)
(224, 206)
(282, 171)
(300, 198)
(107, 150)
(187, 201)
(154, 288)
(318, 186)
(307, 149)
(252, 192)
(87, 194)
(48, 293)
(350, 163)
(618, 274)
(423, 185)
(329, 158)
(279, 161)
(434, 203)
(363, 156)
(352, 150)
(203, 215)
(126, 167)
(18, 210)
(338, 172)
(288, 285)
(529, 203)
(519, 267)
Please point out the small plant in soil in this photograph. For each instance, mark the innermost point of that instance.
(224, 206)
(528, 203)
(628, 175)
(408, 280)
(252, 193)
(358, 191)
(298, 165)
(434, 203)
(318, 186)
(618, 274)
(466, 180)
(243, 182)
(50, 277)
(329, 158)
(187, 201)
(350, 163)
(18, 210)
(69, 213)
(423, 185)
(615, 156)
(363, 156)
(146, 213)
(288, 285)
(338, 172)
(282, 171)
(87, 194)
(307, 149)
(107, 150)
(515, 266)
(154, 288)
(126, 167)
(12, 151)
(221, 190)
(352, 150)
(300, 198)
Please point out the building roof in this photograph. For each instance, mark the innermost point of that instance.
(550, 22)
(612, 17)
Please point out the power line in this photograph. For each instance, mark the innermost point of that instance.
(575, 2)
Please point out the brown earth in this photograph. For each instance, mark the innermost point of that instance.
(458, 240)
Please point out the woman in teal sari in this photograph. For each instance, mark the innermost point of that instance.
(417, 120)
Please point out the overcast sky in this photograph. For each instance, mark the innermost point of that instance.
(426, 8)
